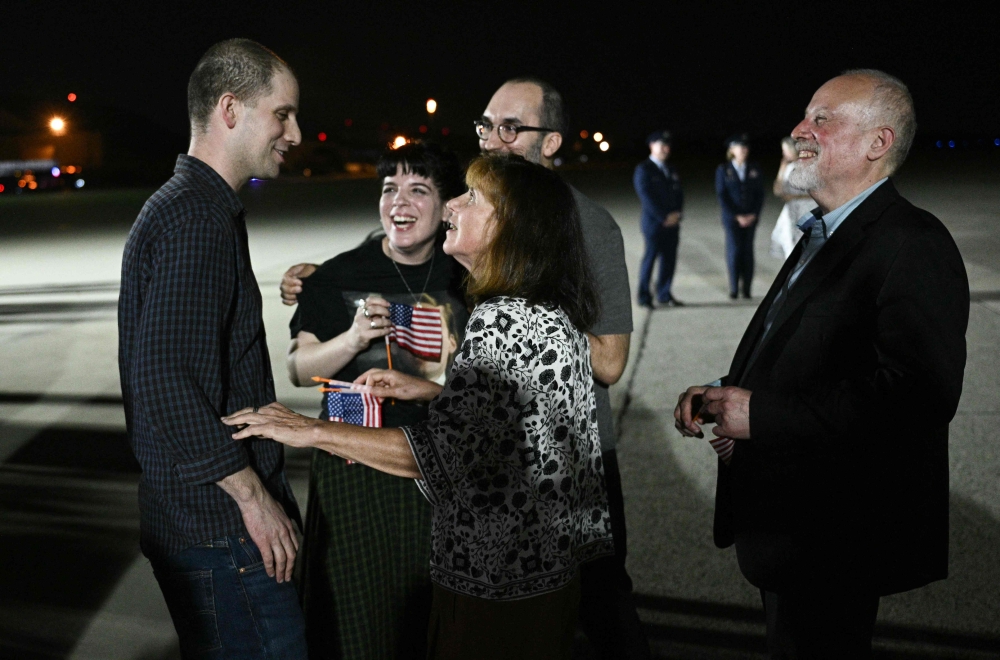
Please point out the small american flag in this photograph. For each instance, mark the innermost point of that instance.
(358, 408)
(417, 329)
(723, 447)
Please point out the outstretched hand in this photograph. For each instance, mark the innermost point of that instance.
(276, 422)
(392, 384)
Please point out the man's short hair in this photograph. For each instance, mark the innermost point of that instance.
(892, 106)
(552, 113)
(241, 67)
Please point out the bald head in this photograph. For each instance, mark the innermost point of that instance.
(857, 130)
(527, 102)
(890, 104)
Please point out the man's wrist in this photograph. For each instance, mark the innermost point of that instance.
(243, 486)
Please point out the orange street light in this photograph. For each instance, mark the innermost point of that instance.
(432, 106)
(398, 142)
(57, 125)
(598, 137)
(605, 146)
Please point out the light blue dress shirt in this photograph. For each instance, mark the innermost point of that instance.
(741, 170)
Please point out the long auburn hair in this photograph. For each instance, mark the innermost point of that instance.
(536, 249)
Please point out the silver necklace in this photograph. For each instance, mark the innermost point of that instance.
(416, 300)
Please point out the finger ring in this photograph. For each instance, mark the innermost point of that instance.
(373, 324)
(366, 312)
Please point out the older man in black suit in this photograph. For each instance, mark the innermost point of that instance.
(834, 487)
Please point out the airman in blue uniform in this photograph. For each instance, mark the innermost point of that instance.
(739, 186)
(659, 188)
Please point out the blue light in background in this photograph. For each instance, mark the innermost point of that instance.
(939, 144)
(80, 183)
(951, 144)
(55, 172)
(997, 142)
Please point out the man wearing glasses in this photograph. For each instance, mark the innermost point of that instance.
(526, 117)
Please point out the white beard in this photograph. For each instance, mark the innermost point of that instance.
(804, 178)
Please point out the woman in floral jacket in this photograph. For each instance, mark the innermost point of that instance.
(509, 456)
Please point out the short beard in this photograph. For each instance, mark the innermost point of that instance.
(804, 178)
(534, 153)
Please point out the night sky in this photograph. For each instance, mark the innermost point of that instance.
(702, 69)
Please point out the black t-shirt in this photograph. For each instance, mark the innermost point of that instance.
(328, 303)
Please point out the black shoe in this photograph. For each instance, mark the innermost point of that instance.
(746, 294)
(672, 302)
(648, 304)
(732, 295)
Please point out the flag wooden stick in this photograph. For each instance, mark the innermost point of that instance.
(388, 355)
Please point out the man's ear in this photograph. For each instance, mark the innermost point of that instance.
(227, 109)
(882, 141)
(550, 144)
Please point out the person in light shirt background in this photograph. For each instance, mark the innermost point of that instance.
(786, 233)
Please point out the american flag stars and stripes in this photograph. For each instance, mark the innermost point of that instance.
(358, 408)
(724, 448)
(417, 329)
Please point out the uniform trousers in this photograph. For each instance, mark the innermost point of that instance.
(739, 256)
(660, 244)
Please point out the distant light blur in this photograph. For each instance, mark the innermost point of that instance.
(605, 146)
(55, 172)
(2, 188)
(348, 122)
(58, 125)
(423, 129)
(71, 97)
(70, 169)
(432, 106)
(322, 137)
(80, 183)
(584, 135)
(598, 136)
(398, 142)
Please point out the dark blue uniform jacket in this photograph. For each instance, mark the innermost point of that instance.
(659, 193)
(738, 197)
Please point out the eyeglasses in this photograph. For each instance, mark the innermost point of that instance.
(506, 132)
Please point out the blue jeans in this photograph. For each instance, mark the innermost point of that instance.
(224, 605)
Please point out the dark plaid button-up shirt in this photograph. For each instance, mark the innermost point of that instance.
(192, 349)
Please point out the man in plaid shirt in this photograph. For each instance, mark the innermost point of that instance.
(216, 514)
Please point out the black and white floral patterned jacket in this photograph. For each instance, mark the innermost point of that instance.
(510, 456)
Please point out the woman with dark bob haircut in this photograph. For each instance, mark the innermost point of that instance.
(508, 456)
(365, 578)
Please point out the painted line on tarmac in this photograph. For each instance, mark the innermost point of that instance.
(627, 400)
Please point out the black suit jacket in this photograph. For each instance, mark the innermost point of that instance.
(851, 399)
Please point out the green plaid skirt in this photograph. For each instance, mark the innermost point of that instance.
(365, 580)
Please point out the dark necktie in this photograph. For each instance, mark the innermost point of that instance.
(815, 236)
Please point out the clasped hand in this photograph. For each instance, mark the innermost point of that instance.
(726, 407)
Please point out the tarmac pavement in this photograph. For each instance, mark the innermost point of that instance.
(73, 584)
